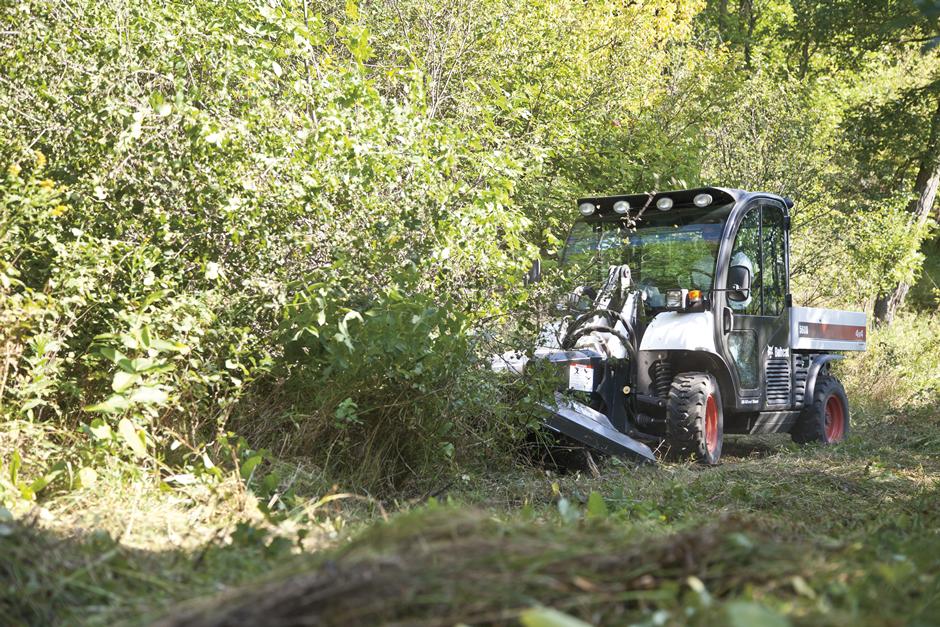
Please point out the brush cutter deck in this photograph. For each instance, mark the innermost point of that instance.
(592, 428)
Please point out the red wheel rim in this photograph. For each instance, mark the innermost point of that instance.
(835, 419)
(711, 424)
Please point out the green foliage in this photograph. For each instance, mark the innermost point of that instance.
(190, 206)
(400, 371)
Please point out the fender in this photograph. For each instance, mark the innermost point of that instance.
(674, 331)
(818, 362)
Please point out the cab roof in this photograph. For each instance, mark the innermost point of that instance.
(680, 198)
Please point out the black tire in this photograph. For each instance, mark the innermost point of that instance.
(695, 418)
(826, 419)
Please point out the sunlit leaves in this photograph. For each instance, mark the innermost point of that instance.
(132, 437)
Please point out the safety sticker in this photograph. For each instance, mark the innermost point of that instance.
(581, 377)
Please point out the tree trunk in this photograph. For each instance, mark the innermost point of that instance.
(748, 17)
(925, 186)
(804, 59)
(888, 304)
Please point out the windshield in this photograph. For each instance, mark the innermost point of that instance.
(666, 250)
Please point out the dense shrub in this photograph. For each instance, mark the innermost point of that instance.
(163, 227)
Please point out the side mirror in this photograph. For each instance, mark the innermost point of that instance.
(534, 275)
(739, 283)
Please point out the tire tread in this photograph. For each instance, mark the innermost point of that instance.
(811, 425)
(688, 397)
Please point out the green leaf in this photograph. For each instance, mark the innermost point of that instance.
(152, 298)
(112, 354)
(26, 492)
(163, 345)
(249, 466)
(100, 429)
(16, 462)
(148, 394)
(114, 405)
(548, 617)
(40, 484)
(132, 437)
(748, 614)
(145, 336)
(596, 507)
(142, 364)
(123, 380)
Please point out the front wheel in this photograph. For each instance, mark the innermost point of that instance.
(826, 419)
(696, 419)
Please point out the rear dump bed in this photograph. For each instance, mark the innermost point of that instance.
(813, 329)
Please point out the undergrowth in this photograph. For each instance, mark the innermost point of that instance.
(807, 535)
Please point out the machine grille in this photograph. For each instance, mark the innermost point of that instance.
(778, 381)
(800, 374)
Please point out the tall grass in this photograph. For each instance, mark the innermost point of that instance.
(900, 371)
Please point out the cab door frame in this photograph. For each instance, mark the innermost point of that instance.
(772, 332)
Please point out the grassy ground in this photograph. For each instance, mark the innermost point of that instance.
(777, 534)
(848, 534)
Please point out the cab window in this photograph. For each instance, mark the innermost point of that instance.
(774, 261)
(760, 246)
(746, 252)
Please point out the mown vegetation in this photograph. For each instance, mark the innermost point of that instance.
(254, 256)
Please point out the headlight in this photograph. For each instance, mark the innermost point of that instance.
(675, 299)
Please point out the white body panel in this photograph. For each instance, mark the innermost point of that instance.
(827, 329)
(671, 330)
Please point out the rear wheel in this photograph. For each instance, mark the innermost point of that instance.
(696, 420)
(826, 419)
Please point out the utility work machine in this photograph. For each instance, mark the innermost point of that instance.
(683, 329)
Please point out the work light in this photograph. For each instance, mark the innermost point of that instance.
(621, 207)
(664, 204)
(702, 200)
(675, 299)
(586, 208)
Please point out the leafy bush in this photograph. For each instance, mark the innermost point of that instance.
(163, 242)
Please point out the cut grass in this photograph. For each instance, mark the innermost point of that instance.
(448, 566)
(839, 535)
